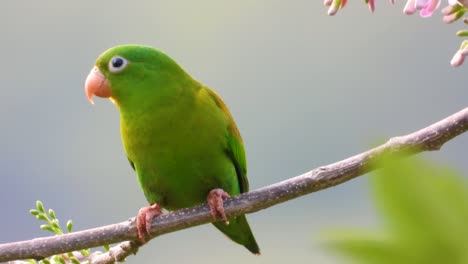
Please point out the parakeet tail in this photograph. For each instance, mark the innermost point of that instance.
(239, 231)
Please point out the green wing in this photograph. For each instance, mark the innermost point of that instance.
(236, 152)
(235, 146)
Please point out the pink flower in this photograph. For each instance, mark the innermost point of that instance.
(460, 55)
(371, 5)
(426, 7)
(429, 8)
(334, 6)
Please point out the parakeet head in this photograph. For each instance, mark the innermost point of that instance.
(130, 74)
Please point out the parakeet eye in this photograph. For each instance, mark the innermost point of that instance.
(117, 64)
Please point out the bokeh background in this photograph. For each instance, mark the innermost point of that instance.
(304, 88)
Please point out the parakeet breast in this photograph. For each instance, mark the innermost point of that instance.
(178, 149)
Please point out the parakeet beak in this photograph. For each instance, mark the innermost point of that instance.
(96, 84)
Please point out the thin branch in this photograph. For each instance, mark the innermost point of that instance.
(426, 139)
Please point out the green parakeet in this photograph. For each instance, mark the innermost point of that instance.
(178, 135)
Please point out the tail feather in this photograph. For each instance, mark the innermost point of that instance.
(239, 231)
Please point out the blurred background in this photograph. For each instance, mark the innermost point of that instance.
(305, 90)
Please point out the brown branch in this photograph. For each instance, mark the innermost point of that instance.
(426, 139)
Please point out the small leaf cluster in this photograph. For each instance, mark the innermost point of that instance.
(52, 224)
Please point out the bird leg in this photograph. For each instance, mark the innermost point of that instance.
(216, 199)
(143, 221)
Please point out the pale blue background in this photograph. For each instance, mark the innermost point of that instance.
(305, 89)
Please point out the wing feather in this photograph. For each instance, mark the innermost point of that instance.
(235, 146)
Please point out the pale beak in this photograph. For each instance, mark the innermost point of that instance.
(96, 84)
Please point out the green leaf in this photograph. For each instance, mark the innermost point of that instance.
(459, 14)
(425, 212)
(40, 206)
(33, 212)
(44, 261)
(41, 216)
(457, 8)
(59, 259)
(85, 252)
(337, 3)
(74, 260)
(69, 226)
(464, 44)
(106, 247)
(47, 228)
(55, 224)
(462, 33)
(52, 214)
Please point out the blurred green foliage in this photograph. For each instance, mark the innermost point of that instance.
(425, 213)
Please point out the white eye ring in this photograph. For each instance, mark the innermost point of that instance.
(117, 64)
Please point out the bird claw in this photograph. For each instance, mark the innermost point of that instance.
(144, 219)
(216, 199)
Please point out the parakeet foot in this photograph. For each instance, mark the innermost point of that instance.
(143, 221)
(216, 199)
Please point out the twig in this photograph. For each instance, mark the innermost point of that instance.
(426, 139)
